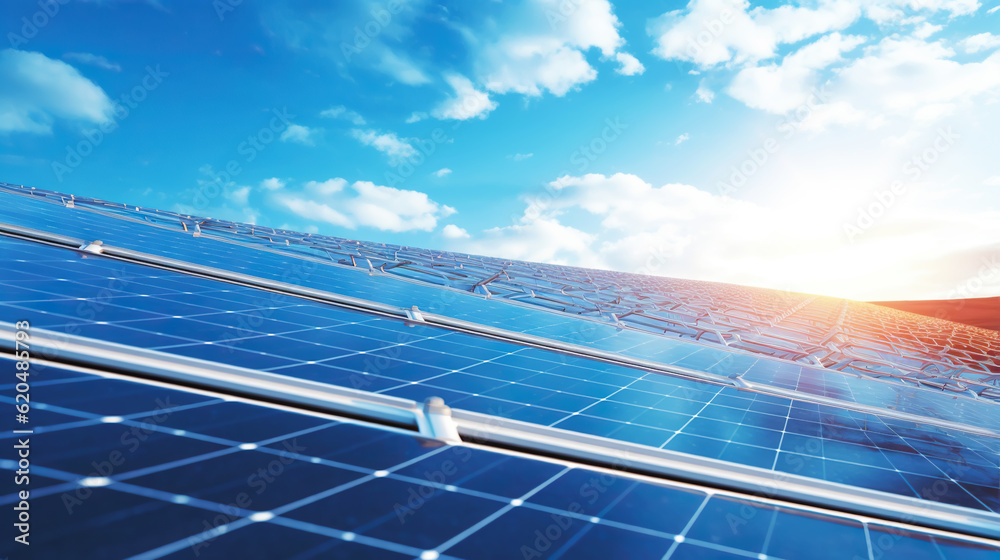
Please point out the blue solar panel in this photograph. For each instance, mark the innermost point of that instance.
(234, 479)
(189, 316)
(173, 243)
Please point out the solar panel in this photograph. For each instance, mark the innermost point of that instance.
(270, 264)
(849, 443)
(386, 356)
(208, 476)
(837, 334)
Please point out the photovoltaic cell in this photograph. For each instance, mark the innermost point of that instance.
(298, 338)
(237, 480)
(529, 319)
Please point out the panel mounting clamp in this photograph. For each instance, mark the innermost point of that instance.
(435, 421)
(95, 247)
(414, 314)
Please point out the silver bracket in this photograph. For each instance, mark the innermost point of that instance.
(435, 421)
(414, 314)
(93, 247)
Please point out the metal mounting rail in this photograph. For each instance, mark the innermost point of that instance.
(450, 323)
(434, 420)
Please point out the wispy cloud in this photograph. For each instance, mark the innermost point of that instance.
(341, 112)
(363, 204)
(703, 94)
(466, 103)
(980, 42)
(299, 134)
(38, 90)
(387, 143)
(272, 184)
(442, 172)
(93, 60)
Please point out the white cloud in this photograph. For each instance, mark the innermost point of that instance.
(906, 79)
(341, 112)
(704, 94)
(299, 134)
(442, 172)
(538, 240)
(272, 184)
(993, 9)
(885, 12)
(467, 103)
(712, 32)
(993, 181)
(980, 42)
(387, 143)
(731, 32)
(316, 211)
(543, 47)
(240, 195)
(38, 90)
(532, 65)
(451, 231)
(216, 198)
(402, 68)
(365, 204)
(93, 60)
(521, 157)
(925, 30)
(780, 88)
(325, 189)
(355, 34)
(681, 139)
(630, 65)
(416, 116)
(677, 230)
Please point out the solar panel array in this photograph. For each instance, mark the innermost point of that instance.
(125, 231)
(143, 471)
(837, 334)
(362, 490)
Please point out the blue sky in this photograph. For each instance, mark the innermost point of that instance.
(836, 147)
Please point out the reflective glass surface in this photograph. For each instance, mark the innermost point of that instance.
(97, 297)
(167, 473)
